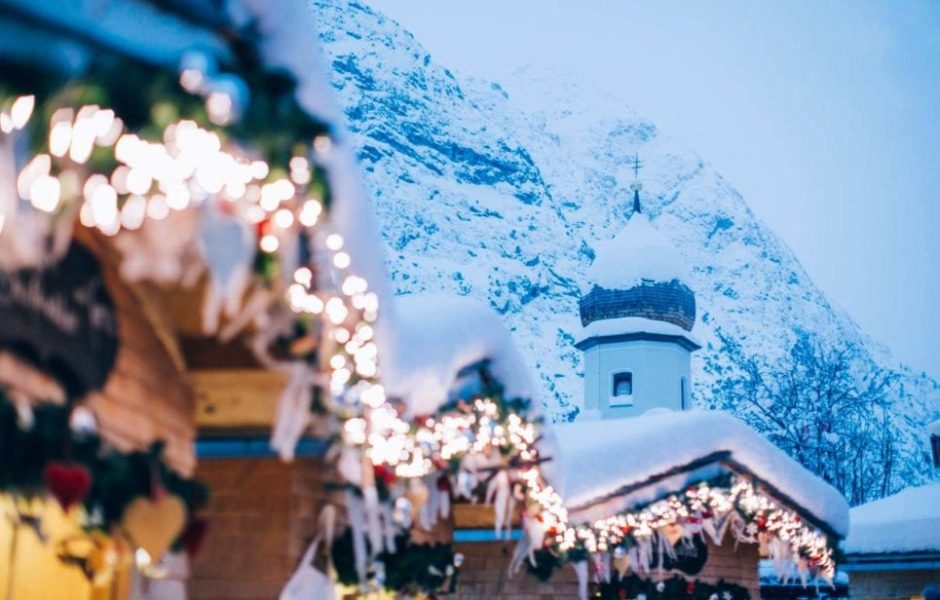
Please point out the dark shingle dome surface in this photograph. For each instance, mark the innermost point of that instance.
(638, 273)
(668, 301)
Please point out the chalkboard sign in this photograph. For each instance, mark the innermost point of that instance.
(690, 556)
(62, 320)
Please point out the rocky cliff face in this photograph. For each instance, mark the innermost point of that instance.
(501, 191)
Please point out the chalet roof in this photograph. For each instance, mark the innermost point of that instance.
(606, 467)
(906, 522)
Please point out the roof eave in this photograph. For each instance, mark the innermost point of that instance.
(686, 342)
(723, 458)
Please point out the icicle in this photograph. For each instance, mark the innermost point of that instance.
(466, 481)
(355, 512)
(602, 567)
(418, 494)
(523, 550)
(633, 556)
(256, 304)
(663, 549)
(388, 527)
(644, 555)
(445, 504)
(370, 496)
(327, 523)
(499, 494)
(510, 511)
(227, 247)
(581, 569)
(349, 465)
(666, 546)
(744, 531)
(710, 529)
(723, 529)
(293, 412)
(429, 511)
(803, 569)
(533, 537)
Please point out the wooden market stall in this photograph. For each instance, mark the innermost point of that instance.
(119, 338)
(263, 510)
(165, 170)
(893, 548)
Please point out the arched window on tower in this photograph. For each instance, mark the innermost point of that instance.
(683, 394)
(623, 386)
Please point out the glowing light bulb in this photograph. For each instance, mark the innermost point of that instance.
(157, 208)
(21, 110)
(60, 132)
(283, 218)
(138, 181)
(336, 310)
(104, 205)
(44, 193)
(303, 276)
(133, 212)
(334, 241)
(219, 107)
(341, 260)
(374, 396)
(259, 169)
(269, 243)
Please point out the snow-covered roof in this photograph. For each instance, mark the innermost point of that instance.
(630, 325)
(437, 336)
(934, 428)
(606, 467)
(638, 253)
(908, 521)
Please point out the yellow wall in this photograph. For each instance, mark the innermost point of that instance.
(37, 572)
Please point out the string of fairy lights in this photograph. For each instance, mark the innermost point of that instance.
(153, 178)
(139, 179)
(483, 427)
(487, 427)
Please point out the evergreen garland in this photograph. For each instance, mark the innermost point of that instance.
(414, 568)
(633, 587)
(117, 478)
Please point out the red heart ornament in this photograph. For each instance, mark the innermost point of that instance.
(68, 482)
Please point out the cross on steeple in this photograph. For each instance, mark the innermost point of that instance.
(636, 186)
(637, 165)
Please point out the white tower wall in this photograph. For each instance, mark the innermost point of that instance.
(659, 372)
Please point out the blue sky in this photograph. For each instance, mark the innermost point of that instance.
(824, 115)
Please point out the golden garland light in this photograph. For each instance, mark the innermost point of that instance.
(191, 163)
(483, 427)
(153, 178)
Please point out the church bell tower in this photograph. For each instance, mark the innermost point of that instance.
(637, 315)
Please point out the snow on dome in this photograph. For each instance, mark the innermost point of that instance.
(598, 460)
(435, 336)
(934, 428)
(638, 253)
(908, 521)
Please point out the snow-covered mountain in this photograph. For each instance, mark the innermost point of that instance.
(500, 191)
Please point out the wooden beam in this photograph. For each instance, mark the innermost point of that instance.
(479, 516)
(236, 400)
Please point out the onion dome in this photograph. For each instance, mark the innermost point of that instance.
(638, 273)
